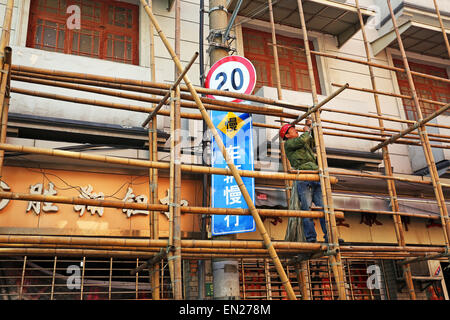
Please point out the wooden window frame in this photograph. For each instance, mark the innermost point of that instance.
(103, 28)
(267, 59)
(434, 89)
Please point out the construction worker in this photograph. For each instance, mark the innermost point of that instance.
(300, 152)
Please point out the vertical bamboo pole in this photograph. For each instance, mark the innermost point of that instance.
(53, 278)
(170, 260)
(260, 225)
(5, 76)
(399, 230)
(82, 278)
(110, 278)
(23, 277)
(424, 137)
(444, 33)
(177, 166)
(284, 160)
(153, 172)
(335, 261)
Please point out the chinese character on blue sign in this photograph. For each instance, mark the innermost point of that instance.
(236, 132)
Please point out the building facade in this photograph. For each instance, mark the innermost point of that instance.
(113, 39)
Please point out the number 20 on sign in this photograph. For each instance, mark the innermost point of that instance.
(233, 74)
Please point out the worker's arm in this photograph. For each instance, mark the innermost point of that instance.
(299, 142)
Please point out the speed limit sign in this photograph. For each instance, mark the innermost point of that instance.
(233, 74)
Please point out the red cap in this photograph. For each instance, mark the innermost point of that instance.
(284, 129)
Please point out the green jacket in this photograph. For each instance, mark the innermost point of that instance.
(300, 152)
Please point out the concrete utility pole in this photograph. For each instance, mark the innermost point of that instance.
(225, 271)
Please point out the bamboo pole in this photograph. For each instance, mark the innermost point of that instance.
(170, 261)
(439, 103)
(323, 168)
(411, 128)
(5, 55)
(153, 173)
(398, 226)
(424, 137)
(160, 207)
(444, 32)
(176, 135)
(158, 165)
(210, 244)
(284, 160)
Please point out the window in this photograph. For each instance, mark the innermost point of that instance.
(293, 66)
(109, 29)
(425, 88)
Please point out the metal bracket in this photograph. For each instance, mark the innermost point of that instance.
(217, 8)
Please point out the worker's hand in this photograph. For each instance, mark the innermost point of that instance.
(307, 126)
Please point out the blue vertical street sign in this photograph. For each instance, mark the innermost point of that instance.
(236, 132)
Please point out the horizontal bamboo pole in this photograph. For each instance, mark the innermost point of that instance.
(439, 103)
(158, 165)
(142, 83)
(379, 176)
(426, 258)
(115, 105)
(237, 251)
(152, 243)
(411, 128)
(159, 207)
(387, 118)
(111, 253)
(192, 243)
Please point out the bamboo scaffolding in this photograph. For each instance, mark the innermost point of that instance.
(372, 64)
(424, 137)
(184, 115)
(411, 128)
(59, 81)
(398, 226)
(444, 32)
(335, 260)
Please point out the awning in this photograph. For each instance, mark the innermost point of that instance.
(331, 17)
(420, 32)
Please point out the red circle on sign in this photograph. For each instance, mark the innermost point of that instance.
(244, 61)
